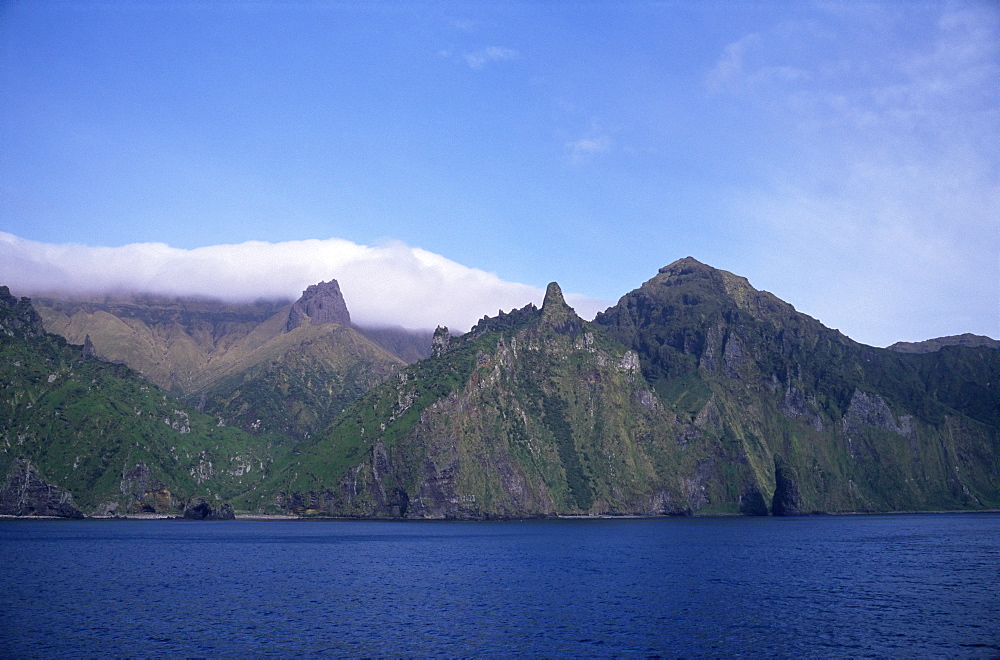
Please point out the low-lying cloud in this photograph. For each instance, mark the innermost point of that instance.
(393, 284)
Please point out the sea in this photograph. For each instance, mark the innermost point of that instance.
(920, 585)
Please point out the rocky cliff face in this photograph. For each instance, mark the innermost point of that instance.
(837, 425)
(70, 423)
(696, 393)
(199, 509)
(26, 493)
(530, 414)
(320, 303)
(18, 319)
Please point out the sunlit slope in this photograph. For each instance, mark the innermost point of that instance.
(111, 438)
(296, 383)
(695, 394)
(238, 361)
(173, 342)
(856, 428)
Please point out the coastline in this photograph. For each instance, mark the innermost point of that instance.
(263, 517)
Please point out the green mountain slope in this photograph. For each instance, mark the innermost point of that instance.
(296, 383)
(695, 394)
(170, 341)
(104, 434)
(267, 367)
(860, 428)
(531, 413)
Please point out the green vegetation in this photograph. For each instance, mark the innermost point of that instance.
(85, 423)
(696, 394)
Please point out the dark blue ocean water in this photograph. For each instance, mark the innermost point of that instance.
(905, 585)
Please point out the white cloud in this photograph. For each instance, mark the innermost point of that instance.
(582, 150)
(730, 67)
(480, 58)
(393, 284)
(892, 193)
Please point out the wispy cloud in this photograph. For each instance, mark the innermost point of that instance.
(480, 58)
(582, 150)
(392, 284)
(595, 142)
(892, 182)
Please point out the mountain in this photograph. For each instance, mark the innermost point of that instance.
(170, 341)
(297, 381)
(696, 393)
(931, 345)
(266, 366)
(846, 427)
(78, 434)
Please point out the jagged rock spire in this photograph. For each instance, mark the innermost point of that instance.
(557, 314)
(440, 341)
(320, 303)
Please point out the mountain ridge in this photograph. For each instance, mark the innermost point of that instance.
(695, 394)
(747, 406)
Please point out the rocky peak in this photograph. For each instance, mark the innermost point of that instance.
(684, 266)
(320, 303)
(557, 314)
(18, 317)
(441, 341)
(554, 300)
(932, 345)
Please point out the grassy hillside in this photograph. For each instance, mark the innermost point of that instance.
(695, 394)
(113, 439)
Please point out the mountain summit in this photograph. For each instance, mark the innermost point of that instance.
(696, 393)
(320, 303)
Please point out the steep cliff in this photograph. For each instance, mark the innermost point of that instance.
(847, 427)
(97, 436)
(696, 393)
(532, 413)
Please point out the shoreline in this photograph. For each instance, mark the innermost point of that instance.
(277, 517)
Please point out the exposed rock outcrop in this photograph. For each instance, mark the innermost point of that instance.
(26, 493)
(17, 317)
(556, 314)
(441, 340)
(787, 500)
(199, 509)
(872, 410)
(88, 348)
(149, 494)
(320, 303)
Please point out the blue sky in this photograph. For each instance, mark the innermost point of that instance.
(843, 156)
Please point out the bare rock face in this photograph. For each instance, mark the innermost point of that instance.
(440, 341)
(199, 509)
(320, 303)
(149, 494)
(17, 317)
(787, 500)
(25, 493)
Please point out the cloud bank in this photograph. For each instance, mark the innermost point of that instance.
(393, 284)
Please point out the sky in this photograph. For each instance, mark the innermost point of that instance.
(444, 160)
